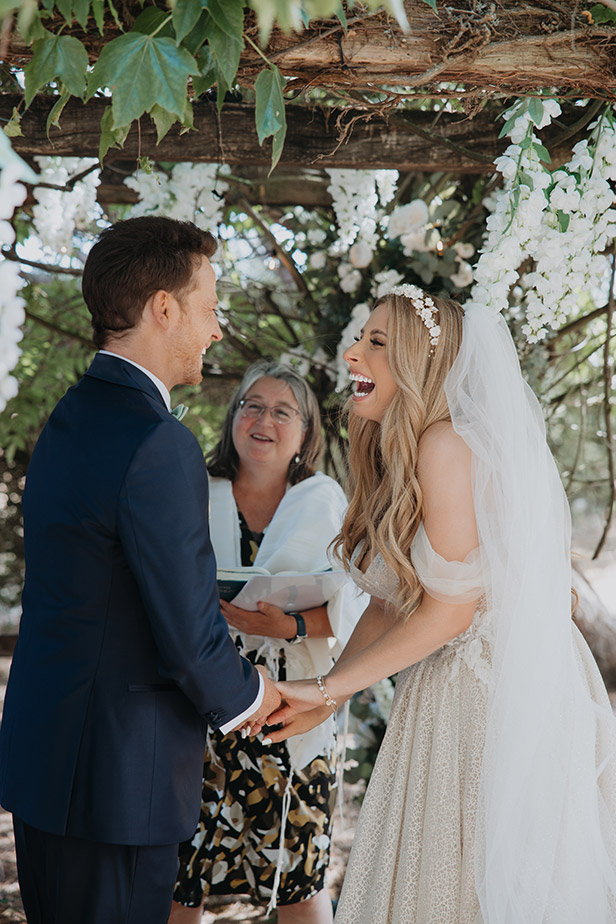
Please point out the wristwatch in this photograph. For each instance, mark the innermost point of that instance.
(301, 629)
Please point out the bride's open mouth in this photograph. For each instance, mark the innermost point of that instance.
(362, 385)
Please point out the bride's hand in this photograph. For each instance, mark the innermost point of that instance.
(298, 696)
(297, 725)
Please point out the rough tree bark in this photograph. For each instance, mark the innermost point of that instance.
(404, 140)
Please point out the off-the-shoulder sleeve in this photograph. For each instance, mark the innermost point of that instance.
(447, 581)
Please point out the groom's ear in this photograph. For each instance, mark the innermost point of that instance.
(161, 310)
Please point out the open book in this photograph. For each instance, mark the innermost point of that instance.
(289, 590)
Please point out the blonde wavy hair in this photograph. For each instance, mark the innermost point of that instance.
(386, 500)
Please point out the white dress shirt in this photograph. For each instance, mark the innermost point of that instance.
(167, 399)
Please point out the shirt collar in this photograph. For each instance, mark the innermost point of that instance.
(160, 385)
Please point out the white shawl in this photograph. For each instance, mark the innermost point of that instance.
(297, 538)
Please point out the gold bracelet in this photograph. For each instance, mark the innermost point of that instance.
(321, 685)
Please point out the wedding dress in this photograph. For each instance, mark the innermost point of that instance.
(493, 798)
(413, 856)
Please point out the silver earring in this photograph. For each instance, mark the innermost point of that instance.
(296, 459)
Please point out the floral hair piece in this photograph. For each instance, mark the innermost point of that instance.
(424, 308)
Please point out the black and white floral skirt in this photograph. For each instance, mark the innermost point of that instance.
(236, 847)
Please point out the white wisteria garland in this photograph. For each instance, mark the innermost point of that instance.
(563, 220)
(189, 192)
(12, 314)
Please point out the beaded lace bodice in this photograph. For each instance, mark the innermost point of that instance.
(447, 581)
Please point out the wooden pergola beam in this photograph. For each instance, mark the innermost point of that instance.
(515, 47)
(409, 141)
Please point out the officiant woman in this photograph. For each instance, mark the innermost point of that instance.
(266, 815)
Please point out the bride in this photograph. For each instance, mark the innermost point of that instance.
(493, 798)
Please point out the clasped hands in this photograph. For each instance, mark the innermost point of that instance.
(295, 706)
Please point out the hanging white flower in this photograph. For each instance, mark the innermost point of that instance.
(358, 197)
(406, 219)
(315, 236)
(59, 213)
(360, 254)
(12, 314)
(463, 275)
(350, 278)
(318, 260)
(384, 281)
(359, 317)
(190, 192)
(383, 693)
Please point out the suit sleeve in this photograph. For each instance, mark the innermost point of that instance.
(163, 528)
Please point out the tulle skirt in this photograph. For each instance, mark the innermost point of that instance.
(413, 857)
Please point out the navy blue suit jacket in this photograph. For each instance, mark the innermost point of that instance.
(123, 656)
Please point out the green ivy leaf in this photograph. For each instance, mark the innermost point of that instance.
(163, 120)
(153, 20)
(197, 36)
(98, 11)
(110, 136)
(186, 14)
(341, 15)
(601, 13)
(188, 122)
(269, 103)
(81, 10)
(277, 146)
(66, 9)
(28, 19)
(226, 49)
(114, 13)
(228, 16)
(563, 220)
(12, 129)
(270, 114)
(56, 56)
(207, 67)
(142, 71)
(54, 116)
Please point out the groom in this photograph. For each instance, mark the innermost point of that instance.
(123, 656)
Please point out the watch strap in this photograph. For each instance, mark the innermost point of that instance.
(301, 634)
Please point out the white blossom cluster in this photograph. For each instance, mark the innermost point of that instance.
(409, 223)
(562, 220)
(190, 192)
(359, 198)
(577, 227)
(59, 213)
(12, 315)
(515, 224)
(383, 693)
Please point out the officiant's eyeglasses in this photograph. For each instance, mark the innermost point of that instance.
(279, 414)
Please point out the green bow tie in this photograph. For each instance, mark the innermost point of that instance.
(180, 411)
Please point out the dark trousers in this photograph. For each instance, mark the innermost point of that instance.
(67, 880)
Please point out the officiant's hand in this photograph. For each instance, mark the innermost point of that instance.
(267, 620)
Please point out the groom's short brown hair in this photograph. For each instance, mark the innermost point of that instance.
(131, 261)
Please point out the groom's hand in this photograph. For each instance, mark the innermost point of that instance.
(270, 702)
